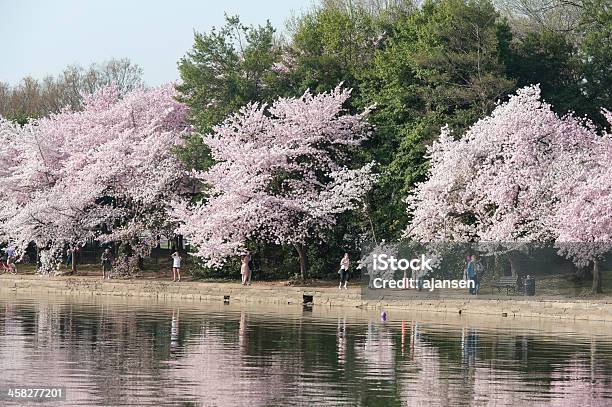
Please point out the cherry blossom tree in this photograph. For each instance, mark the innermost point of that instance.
(106, 172)
(496, 184)
(583, 219)
(281, 176)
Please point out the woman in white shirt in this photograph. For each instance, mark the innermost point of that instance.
(344, 271)
(176, 266)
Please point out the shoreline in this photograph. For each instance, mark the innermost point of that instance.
(532, 307)
(189, 309)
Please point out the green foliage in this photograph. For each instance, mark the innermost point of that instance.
(442, 64)
(548, 58)
(21, 119)
(329, 46)
(595, 53)
(226, 69)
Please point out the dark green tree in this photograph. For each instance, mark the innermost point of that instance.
(226, 69)
(595, 53)
(442, 64)
(331, 45)
(548, 58)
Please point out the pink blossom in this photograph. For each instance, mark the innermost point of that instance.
(523, 174)
(110, 163)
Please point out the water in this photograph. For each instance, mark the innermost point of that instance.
(116, 351)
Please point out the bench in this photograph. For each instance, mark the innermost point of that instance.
(507, 282)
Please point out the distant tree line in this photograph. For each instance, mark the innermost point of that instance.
(33, 98)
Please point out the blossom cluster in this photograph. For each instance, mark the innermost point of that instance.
(280, 175)
(522, 174)
(105, 171)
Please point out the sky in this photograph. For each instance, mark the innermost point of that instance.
(42, 37)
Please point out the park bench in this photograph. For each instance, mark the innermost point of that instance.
(507, 282)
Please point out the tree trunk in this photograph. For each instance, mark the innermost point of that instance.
(514, 264)
(597, 284)
(95, 245)
(36, 257)
(178, 242)
(73, 261)
(497, 270)
(157, 248)
(303, 261)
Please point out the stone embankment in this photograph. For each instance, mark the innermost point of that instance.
(533, 307)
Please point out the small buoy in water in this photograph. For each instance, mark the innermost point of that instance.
(383, 316)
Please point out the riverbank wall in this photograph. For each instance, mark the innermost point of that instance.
(266, 293)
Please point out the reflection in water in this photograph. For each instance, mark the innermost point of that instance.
(242, 333)
(342, 345)
(469, 347)
(174, 329)
(205, 354)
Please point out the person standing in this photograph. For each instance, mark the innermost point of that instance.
(72, 259)
(68, 257)
(10, 263)
(470, 273)
(478, 271)
(244, 269)
(176, 266)
(107, 263)
(344, 271)
(10, 260)
(251, 268)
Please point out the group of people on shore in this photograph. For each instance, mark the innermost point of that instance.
(107, 260)
(471, 273)
(246, 270)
